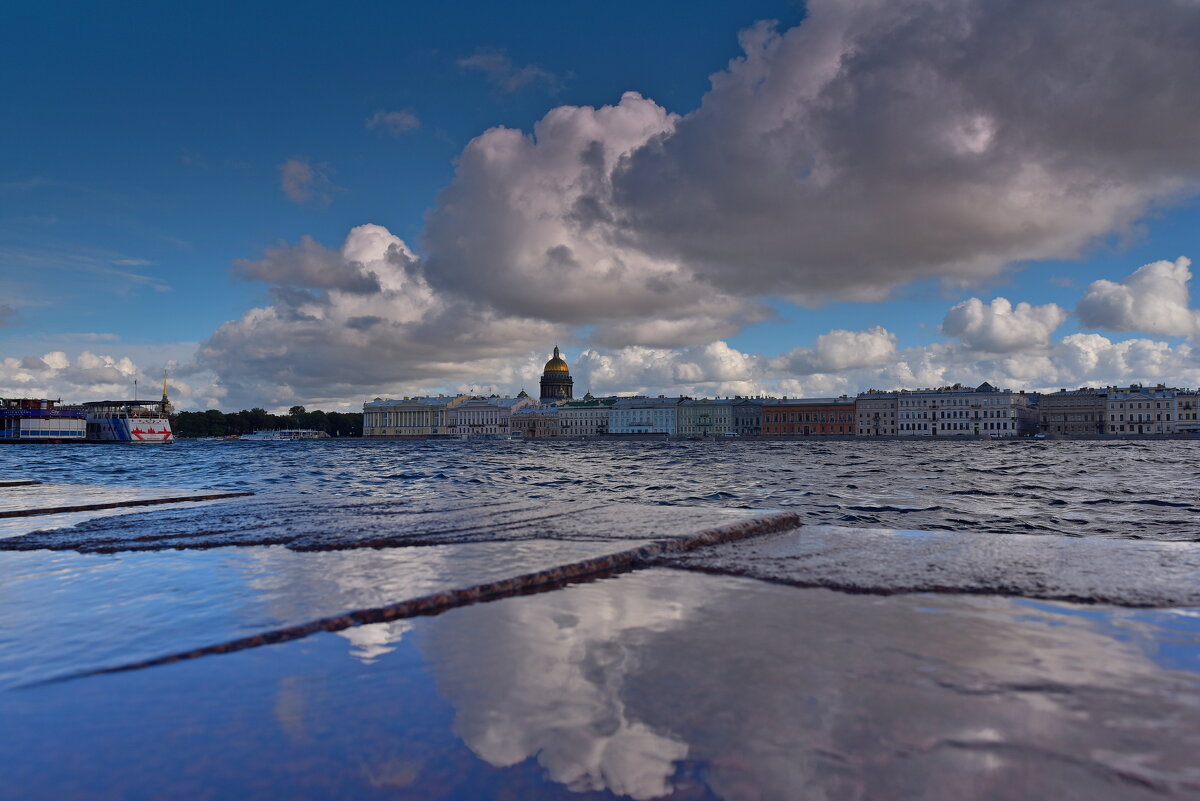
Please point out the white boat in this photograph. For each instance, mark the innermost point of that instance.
(283, 435)
(40, 420)
(136, 421)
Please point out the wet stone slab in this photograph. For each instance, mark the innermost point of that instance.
(652, 684)
(21, 499)
(1125, 572)
(152, 588)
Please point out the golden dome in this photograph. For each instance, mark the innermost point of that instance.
(556, 364)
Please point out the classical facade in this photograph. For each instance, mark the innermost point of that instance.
(1142, 410)
(409, 417)
(808, 417)
(747, 416)
(585, 418)
(961, 412)
(556, 382)
(875, 414)
(489, 416)
(705, 418)
(1073, 413)
(537, 422)
(644, 416)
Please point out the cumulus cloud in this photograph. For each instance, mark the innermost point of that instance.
(999, 327)
(1153, 299)
(503, 74)
(880, 142)
(90, 376)
(840, 350)
(304, 182)
(393, 123)
(360, 321)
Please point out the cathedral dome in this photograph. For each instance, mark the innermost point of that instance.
(556, 364)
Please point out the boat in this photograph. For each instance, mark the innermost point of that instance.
(41, 420)
(135, 421)
(283, 435)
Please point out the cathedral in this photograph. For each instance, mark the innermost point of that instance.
(556, 380)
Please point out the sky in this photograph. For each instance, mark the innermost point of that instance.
(318, 204)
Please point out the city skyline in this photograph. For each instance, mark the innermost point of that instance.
(304, 209)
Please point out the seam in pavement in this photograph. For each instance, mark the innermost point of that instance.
(529, 583)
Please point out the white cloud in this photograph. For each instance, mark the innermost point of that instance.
(393, 123)
(304, 182)
(1153, 299)
(999, 327)
(840, 350)
(503, 74)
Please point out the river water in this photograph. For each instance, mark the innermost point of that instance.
(1148, 490)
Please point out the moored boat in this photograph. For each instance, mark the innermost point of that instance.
(134, 421)
(40, 420)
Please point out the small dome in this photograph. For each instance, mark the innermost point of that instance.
(556, 364)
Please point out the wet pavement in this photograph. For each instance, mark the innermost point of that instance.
(581, 650)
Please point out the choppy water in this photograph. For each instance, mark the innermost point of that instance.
(1148, 490)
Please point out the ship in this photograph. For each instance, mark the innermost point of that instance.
(40, 420)
(134, 421)
(283, 435)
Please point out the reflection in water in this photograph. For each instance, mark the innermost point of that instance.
(546, 678)
(782, 693)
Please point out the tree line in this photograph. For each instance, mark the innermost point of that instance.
(215, 423)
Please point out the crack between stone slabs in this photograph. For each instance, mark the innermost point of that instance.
(539, 581)
(90, 507)
(660, 560)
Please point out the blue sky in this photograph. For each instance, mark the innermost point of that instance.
(145, 150)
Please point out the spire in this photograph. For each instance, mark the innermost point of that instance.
(557, 355)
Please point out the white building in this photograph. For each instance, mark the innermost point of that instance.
(644, 416)
(960, 412)
(588, 417)
(704, 418)
(1142, 410)
(409, 417)
(489, 416)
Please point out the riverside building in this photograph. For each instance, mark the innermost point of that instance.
(409, 417)
(747, 416)
(705, 418)
(960, 412)
(537, 422)
(640, 415)
(588, 417)
(808, 417)
(1073, 413)
(490, 416)
(875, 414)
(1141, 410)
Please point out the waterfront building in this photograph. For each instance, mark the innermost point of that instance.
(585, 418)
(1187, 406)
(410, 417)
(960, 411)
(488, 416)
(537, 422)
(1073, 413)
(556, 384)
(808, 417)
(705, 418)
(640, 415)
(747, 416)
(875, 414)
(1141, 410)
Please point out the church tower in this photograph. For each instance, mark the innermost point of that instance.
(556, 380)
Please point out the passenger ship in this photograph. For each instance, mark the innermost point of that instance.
(136, 421)
(40, 420)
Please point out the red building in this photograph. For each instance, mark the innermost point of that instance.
(808, 417)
